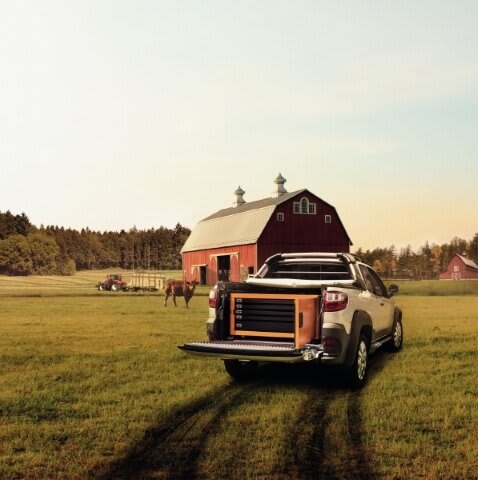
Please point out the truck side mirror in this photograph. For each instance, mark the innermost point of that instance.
(392, 289)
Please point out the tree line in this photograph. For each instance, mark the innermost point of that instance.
(427, 262)
(26, 249)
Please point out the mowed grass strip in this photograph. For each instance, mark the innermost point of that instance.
(94, 387)
(81, 283)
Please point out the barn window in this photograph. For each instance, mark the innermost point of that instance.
(304, 207)
(280, 217)
(328, 218)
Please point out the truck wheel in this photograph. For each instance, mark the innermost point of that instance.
(101, 287)
(241, 371)
(114, 287)
(357, 373)
(395, 344)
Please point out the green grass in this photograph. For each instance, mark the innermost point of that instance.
(436, 287)
(93, 387)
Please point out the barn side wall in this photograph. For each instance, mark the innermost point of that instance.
(242, 257)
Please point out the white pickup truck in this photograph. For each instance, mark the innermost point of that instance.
(328, 308)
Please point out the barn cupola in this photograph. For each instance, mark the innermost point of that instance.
(280, 190)
(239, 197)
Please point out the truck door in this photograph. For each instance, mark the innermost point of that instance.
(382, 307)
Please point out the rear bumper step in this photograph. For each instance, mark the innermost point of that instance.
(260, 351)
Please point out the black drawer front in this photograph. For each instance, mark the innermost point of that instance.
(264, 315)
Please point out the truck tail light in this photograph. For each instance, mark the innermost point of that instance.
(335, 301)
(213, 296)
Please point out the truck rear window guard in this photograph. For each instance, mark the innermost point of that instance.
(308, 271)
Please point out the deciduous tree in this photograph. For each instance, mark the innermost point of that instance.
(43, 252)
(15, 256)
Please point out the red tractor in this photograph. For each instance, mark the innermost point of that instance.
(113, 282)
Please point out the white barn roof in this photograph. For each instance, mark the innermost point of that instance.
(241, 228)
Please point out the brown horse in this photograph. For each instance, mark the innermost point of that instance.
(176, 288)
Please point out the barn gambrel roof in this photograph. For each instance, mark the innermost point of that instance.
(241, 225)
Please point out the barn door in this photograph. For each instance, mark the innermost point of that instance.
(223, 268)
(202, 275)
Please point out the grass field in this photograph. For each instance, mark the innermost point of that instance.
(437, 288)
(92, 386)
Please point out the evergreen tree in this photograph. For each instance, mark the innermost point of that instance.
(14, 224)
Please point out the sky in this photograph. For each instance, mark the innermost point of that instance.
(116, 114)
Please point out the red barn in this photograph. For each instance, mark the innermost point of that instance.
(460, 268)
(234, 242)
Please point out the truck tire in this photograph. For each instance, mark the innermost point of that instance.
(357, 373)
(101, 287)
(395, 344)
(241, 371)
(114, 287)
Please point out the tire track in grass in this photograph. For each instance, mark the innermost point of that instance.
(326, 439)
(305, 448)
(333, 452)
(173, 448)
(324, 451)
(309, 462)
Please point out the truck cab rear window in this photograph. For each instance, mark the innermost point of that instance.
(308, 271)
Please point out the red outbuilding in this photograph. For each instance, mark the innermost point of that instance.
(234, 242)
(460, 268)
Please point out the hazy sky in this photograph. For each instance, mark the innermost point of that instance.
(148, 113)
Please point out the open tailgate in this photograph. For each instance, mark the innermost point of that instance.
(245, 350)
